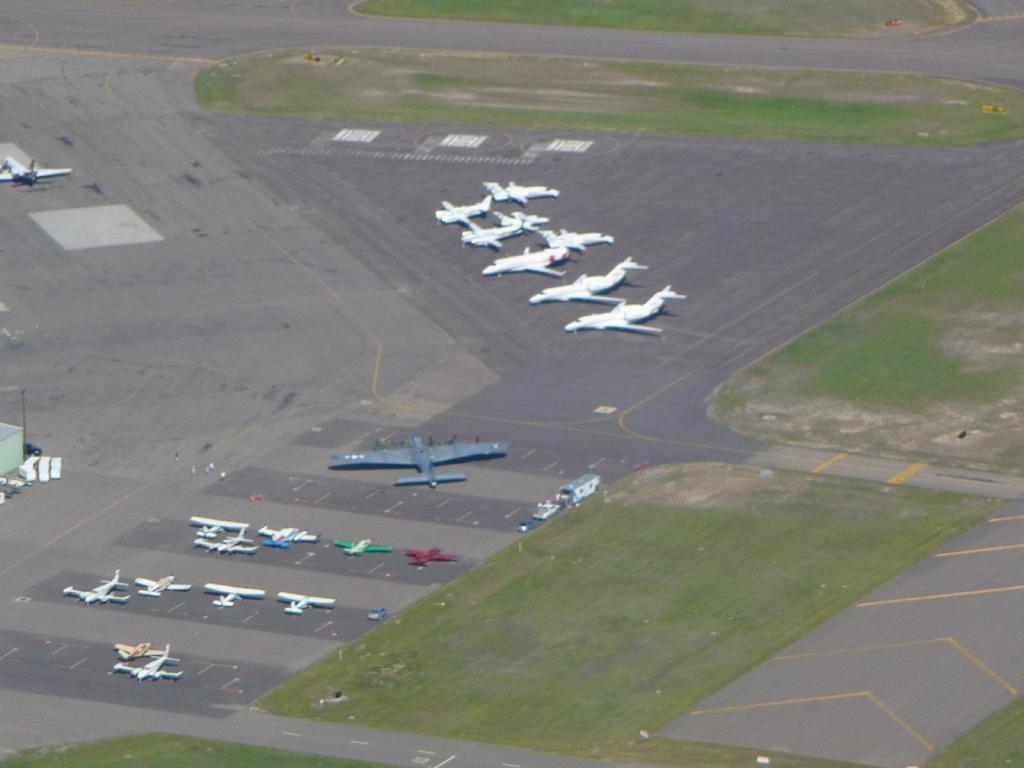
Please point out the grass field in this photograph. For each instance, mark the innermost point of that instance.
(907, 369)
(622, 615)
(559, 93)
(165, 751)
(997, 741)
(764, 17)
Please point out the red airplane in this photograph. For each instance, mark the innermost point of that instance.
(423, 556)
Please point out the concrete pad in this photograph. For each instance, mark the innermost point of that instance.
(105, 225)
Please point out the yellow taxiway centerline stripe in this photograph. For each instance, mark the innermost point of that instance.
(906, 474)
(830, 463)
(980, 550)
(1005, 519)
(982, 665)
(860, 649)
(783, 702)
(941, 596)
(107, 54)
(901, 722)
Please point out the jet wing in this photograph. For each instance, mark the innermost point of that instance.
(448, 453)
(210, 522)
(631, 328)
(47, 173)
(385, 457)
(545, 271)
(225, 589)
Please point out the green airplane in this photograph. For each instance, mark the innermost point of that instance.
(359, 547)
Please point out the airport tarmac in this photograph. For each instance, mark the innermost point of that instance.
(302, 297)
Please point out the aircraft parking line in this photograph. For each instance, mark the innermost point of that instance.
(304, 558)
(373, 493)
(468, 513)
(252, 615)
(61, 648)
(445, 761)
(1006, 519)
(303, 484)
(323, 626)
(980, 550)
(591, 466)
(829, 463)
(510, 765)
(207, 668)
(86, 658)
(394, 506)
(549, 466)
(444, 502)
(905, 474)
(941, 596)
(360, 743)
(176, 607)
(425, 752)
(8, 653)
(532, 450)
(291, 733)
(232, 681)
(378, 565)
(321, 498)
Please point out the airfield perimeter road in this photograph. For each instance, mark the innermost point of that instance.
(301, 299)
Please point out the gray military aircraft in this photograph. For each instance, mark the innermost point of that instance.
(424, 456)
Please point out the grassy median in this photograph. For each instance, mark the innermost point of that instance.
(156, 750)
(553, 93)
(620, 616)
(931, 365)
(765, 17)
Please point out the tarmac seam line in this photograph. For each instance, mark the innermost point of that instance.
(941, 596)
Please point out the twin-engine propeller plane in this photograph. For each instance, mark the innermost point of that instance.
(152, 670)
(297, 604)
(360, 547)
(517, 193)
(626, 317)
(13, 171)
(230, 595)
(100, 593)
(424, 456)
(589, 288)
(461, 214)
(577, 241)
(231, 545)
(284, 537)
(539, 262)
(151, 588)
(421, 557)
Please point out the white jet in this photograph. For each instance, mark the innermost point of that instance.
(625, 317)
(578, 241)
(461, 214)
(151, 588)
(529, 261)
(587, 288)
(152, 670)
(510, 226)
(297, 604)
(517, 193)
(230, 595)
(529, 221)
(100, 593)
(12, 170)
(284, 537)
(232, 545)
(209, 527)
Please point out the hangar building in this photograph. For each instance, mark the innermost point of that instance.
(12, 447)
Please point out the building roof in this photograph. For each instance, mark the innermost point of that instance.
(7, 430)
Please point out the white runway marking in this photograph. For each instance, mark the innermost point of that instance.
(463, 140)
(357, 135)
(568, 145)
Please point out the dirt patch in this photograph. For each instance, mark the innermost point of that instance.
(706, 486)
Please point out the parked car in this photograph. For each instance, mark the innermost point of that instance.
(377, 614)
(527, 525)
(31, 449)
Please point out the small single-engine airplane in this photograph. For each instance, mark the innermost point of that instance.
(360, 547)
(127, 652)
(461, 214)
(297, 604)
(100, 593)
(152, 670)
(284, 537)
(625, 317)
(209, 527)
(587, 288)
(509, 226)
(517, 193)
(539, 262)
(577, 241)
(230, 595)
(152, 588)
(421, 557)
(232, 545)
(12, 170)
(424, 456)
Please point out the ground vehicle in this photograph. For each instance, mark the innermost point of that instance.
(527, 525)
(31, 449)
(547, 509)
(377, 614)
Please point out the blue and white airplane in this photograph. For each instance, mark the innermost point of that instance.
(13, 171)
(284, 537)
(152, 670)
(100, 593)
(424, 456)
